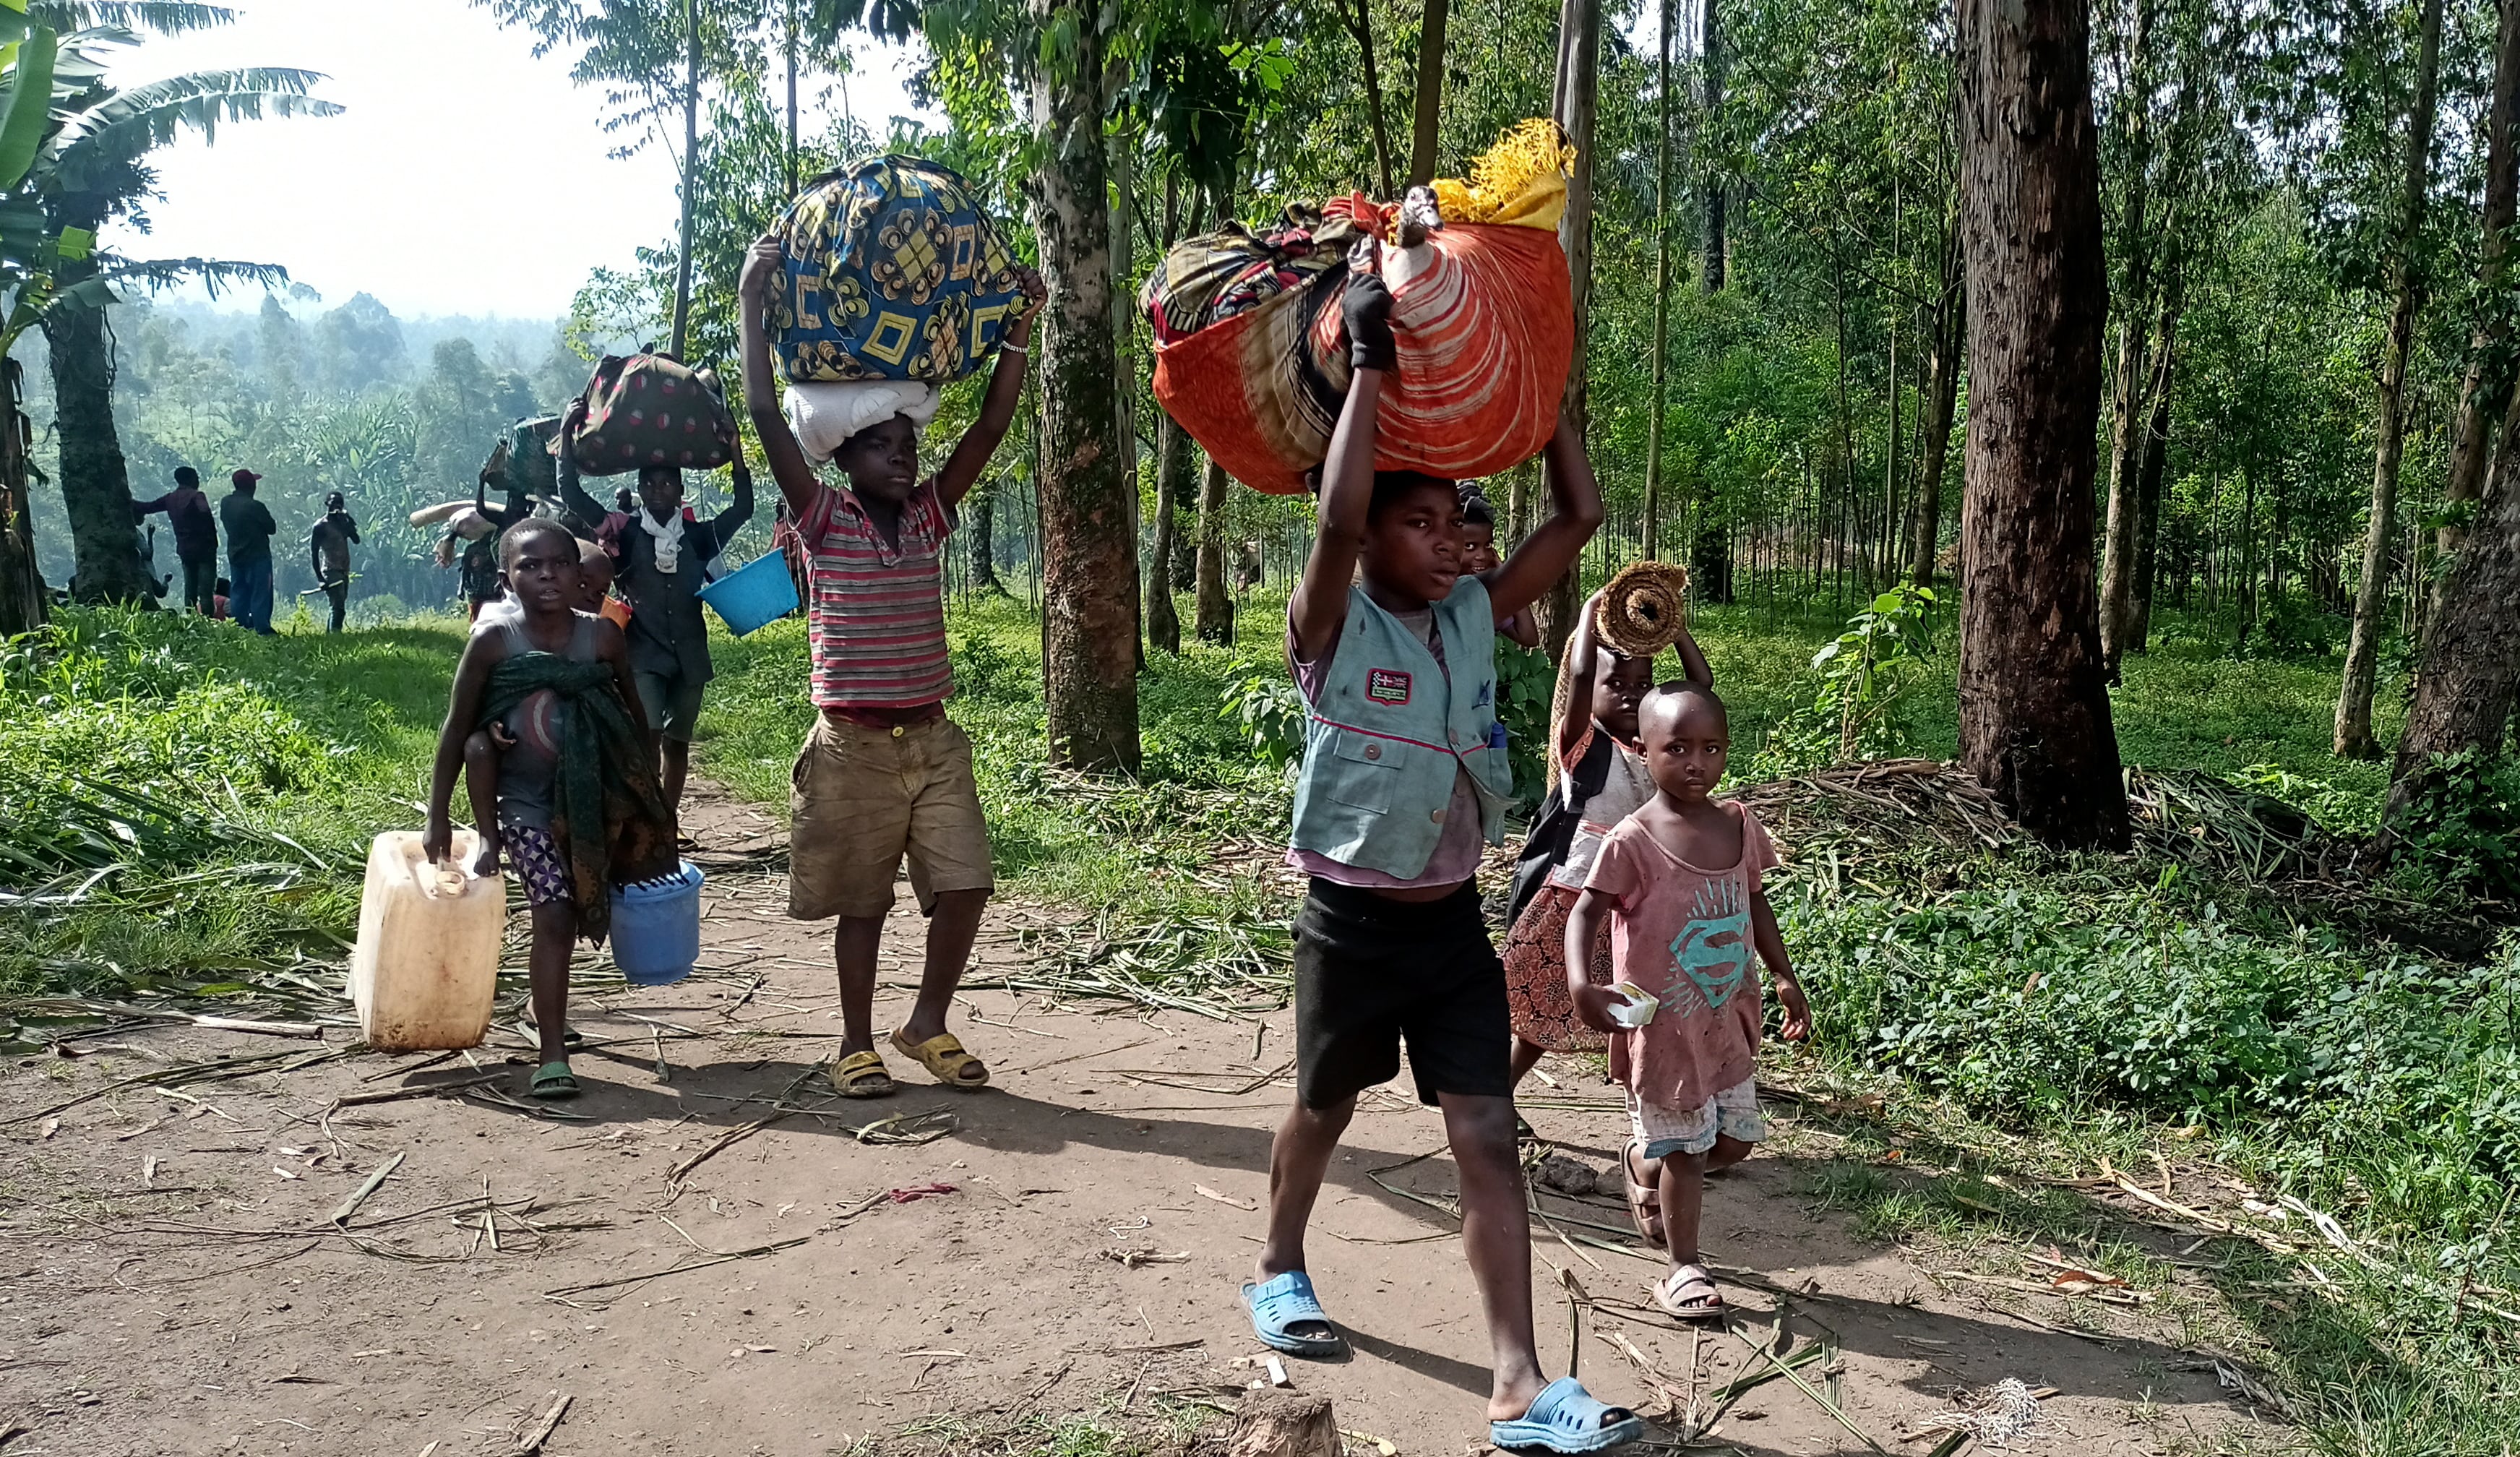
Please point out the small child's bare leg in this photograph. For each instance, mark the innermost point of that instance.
(481, 787)
(1526, 1056)
(1727, 1151)
(1684, 1204)
(554, 937)
(1688, 1291)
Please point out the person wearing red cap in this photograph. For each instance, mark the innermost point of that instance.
(249, 528)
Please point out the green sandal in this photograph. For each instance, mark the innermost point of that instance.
(552, 1082)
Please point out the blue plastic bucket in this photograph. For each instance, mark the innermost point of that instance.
(656, 928)
(753, 595)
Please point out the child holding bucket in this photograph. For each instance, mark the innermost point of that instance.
(1393, 646)
(578, 810)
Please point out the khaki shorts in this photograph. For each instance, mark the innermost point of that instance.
(865, 797)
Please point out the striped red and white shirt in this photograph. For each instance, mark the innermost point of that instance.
(878, 618)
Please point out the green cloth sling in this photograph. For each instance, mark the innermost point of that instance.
(608, 809)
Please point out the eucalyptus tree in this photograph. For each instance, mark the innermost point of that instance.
(653, 59)
(2489, 346)
(2033, 705)
(2405, 284)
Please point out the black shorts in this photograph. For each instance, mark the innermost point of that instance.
(1372, 972)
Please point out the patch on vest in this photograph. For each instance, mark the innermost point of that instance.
(1387, 685)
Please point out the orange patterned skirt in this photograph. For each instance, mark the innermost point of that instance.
(1535, 973)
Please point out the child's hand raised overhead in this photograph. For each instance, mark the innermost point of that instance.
(1366, 309)
(763, 263)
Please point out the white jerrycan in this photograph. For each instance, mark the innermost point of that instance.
(427, 968)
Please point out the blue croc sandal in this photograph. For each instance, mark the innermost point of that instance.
(1566, 1417)
(1283, 1303)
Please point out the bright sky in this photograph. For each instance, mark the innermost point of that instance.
(465, 177)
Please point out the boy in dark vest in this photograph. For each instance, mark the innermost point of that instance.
(1405, 782)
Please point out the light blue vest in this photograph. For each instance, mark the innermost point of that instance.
(1386, 736)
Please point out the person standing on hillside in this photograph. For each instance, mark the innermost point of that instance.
(197, 535)
(249, 529)
(328, 544)
(663, 551)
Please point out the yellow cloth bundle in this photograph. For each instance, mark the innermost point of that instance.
(1519, 182)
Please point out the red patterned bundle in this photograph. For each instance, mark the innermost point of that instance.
(1251, 352)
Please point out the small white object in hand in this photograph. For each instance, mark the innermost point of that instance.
(1637, 1008)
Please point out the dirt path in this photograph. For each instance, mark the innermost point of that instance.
(168, 1282)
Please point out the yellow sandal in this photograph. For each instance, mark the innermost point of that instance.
(946, 1060)
(861, 1074)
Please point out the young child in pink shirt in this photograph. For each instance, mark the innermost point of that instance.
(1680, 879)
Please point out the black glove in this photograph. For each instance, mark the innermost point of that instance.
(1367, 307)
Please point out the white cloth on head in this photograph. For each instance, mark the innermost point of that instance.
(668, 538)
(824, 416)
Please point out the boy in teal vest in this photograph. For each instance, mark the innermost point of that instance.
(1404, 784)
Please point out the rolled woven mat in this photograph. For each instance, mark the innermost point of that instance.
(1644, 608)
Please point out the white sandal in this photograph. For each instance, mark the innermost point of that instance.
(1670, 1292)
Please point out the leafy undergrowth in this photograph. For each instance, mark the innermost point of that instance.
(185, 803)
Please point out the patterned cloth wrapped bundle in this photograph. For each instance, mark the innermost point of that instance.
(1251, 353)
(894, 273)
(650, 410)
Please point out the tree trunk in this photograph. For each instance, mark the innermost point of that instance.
(2471, 664)
(1941, 405)
(1710, 553)
(2489, 372)
(1214, 621)
(1124, 338)
(690, 175)
(2127, 411)
(22, 581)
(96, 484)
(2156, 455)
(1576, 106)
(1652, 525)
(1711, 63)
(1172, 473)
(983, 508)
(791, 103)
(1361, 22)
(1284, 1424)
(1426, 127)
(2354, 737)
(1089, 548)
(2033, 705)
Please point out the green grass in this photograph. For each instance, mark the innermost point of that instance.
(1134, 853)
(253, 770)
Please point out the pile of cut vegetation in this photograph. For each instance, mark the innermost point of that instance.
(184, 807)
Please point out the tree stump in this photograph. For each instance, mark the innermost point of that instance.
(1274, 1422)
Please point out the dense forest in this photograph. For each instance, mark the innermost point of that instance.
(393, 414)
